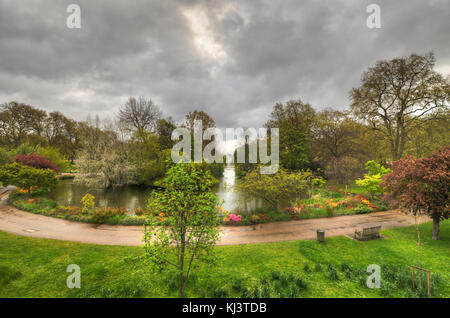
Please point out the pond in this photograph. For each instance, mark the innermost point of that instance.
(69, 193)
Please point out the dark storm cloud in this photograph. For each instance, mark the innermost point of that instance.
(233, 59)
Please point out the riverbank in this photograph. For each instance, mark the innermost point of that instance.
(15, 221)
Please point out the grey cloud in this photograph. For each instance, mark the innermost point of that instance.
(274, 51)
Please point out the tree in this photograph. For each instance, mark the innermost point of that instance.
(164, 129)
(294, 121)
(187, 227)
(422, 186)
(207, 121)
(276, 189)
(18, 121)
(148, 158)
(62, 133)
(104, 161)
(429, 135)
(27, 177)
(140, 113)
(343, 169)
(335, 134)
(396, 94)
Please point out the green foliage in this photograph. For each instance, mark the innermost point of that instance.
(371, 181)
(294, 120)
(148, 158)
(186, 228)
(4, 156)
(54, 156)
(27, 177)
(88, 202)
(278, 188)
(22, 149)
(216, 169)
(103, 215)
(373, 168)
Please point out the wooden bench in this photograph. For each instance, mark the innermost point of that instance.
(368, 233)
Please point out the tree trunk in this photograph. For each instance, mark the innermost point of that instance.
(181, 268)
(436, 228)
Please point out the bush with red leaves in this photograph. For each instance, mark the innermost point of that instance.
(36, 161)
(422, 186)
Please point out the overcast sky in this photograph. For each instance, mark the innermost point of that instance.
(232, 59)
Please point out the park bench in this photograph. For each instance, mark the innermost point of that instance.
(368, 233)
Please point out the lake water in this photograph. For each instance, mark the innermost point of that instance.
(69, 193)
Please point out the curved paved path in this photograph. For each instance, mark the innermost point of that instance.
(23, 223)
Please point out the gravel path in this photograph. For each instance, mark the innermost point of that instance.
(23, 223)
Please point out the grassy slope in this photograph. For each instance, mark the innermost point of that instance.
(37, 267)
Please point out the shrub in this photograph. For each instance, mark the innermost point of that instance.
(55, 157)
(4, 157)
(306, 268)
(278, 188)
(276, 275)
(317, 267)
(88, 202)
(36, 161)
(371, 181)
(238, 285)
(362, 210)
(102, 215)
(300, 283)
(27, 177)
(332, 273)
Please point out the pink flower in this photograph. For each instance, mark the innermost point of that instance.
(234, 217)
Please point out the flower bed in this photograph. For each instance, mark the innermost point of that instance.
(327, 202)
(320, 206)
(47, 207)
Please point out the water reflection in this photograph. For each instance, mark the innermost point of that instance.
(70, 193)
(233, 200)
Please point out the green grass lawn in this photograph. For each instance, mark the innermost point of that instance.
(37, 268)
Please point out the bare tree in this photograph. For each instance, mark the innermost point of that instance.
(139, 113)
(395, 95)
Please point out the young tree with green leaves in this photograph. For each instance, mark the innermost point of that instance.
(372, 179)
(279, 188)
(186, 228)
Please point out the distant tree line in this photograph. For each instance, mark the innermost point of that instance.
(400, 109)
(134, 148)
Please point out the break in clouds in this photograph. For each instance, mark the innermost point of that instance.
(232, 59)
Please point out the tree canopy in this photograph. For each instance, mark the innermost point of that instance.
(396, 94)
